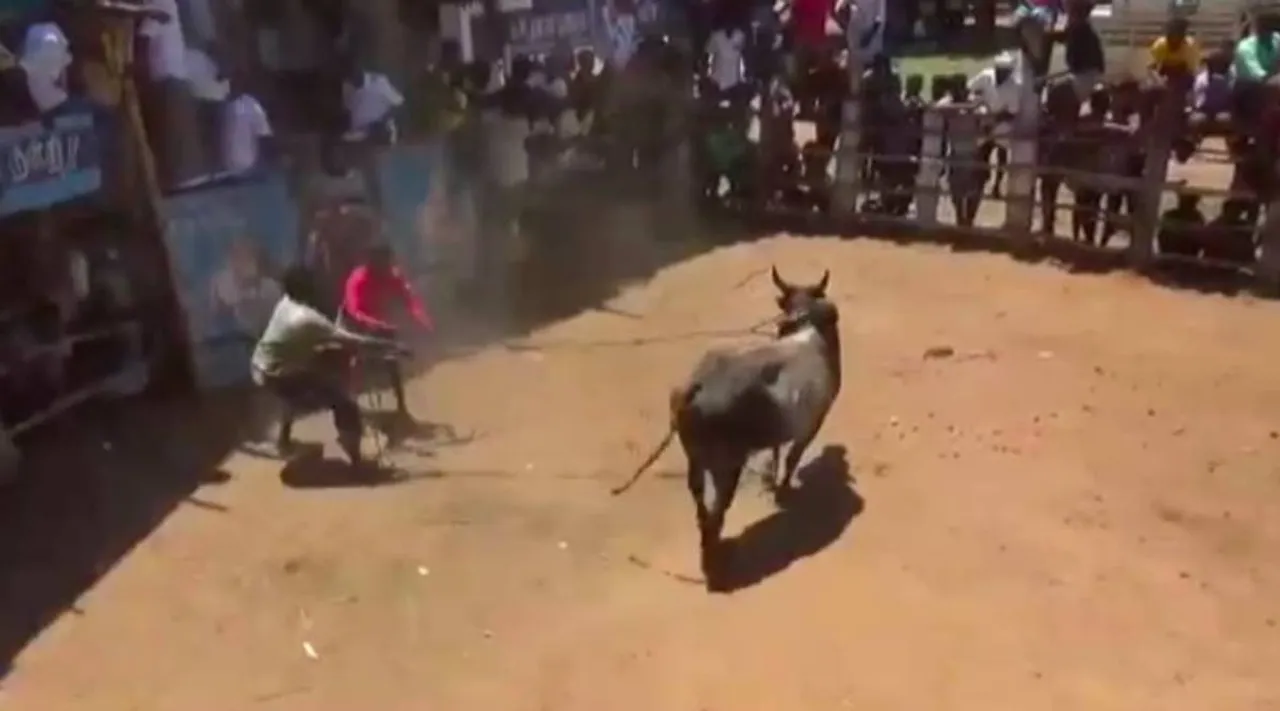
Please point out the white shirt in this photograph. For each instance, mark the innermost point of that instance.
(369, 103)
(244, 124)
(46, 54)
(508, 159)
(996, 97)
(725, 48)
(202, 77)
(168, 49)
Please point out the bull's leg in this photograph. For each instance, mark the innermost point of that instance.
(696, 479)
(726, 478)
(793, 461)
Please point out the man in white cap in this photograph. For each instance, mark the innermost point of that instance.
(996, 91)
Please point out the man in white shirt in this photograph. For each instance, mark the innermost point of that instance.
(997, 91)
(370, 100)
(727, 70)
(245, 127)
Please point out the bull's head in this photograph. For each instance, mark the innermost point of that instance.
(794, 300)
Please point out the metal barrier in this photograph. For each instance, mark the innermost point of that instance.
(947, 150)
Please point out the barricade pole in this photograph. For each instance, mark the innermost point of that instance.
(929, 177)
(1022, 154)
(848, 183)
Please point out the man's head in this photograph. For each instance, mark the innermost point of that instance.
(1188, 202)
(1079, 11)
(379, 258)
(1003, 67)
(299, 284)
(586, 61)
(1264, 26)
(1175, 32)
(349, 67)
(1219, 60)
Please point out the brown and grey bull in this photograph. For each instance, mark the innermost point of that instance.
(737, 403)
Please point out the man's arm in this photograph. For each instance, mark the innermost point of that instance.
(416, 306)
(1248, 64)
(356, 299)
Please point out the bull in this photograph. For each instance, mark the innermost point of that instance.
(737, 403)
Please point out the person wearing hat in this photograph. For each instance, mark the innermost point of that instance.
(996, 90)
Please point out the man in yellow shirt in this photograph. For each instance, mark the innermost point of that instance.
(1175, 53)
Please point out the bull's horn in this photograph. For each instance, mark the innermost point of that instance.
(777, 280)
(826, 278)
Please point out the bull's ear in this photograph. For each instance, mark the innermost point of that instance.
(826, 279)
(783, 286)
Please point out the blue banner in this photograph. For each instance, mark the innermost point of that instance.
(227, 247)
(41, 165)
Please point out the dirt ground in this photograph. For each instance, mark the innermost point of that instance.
(1078, 510)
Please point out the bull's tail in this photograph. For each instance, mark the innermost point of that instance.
(679, 397)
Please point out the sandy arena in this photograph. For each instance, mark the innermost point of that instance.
(1079, 509)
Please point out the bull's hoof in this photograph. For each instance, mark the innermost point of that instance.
(716, 567)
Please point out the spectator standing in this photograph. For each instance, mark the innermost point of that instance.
(1176, 55)
(370, 100)
(1211, 96)
(727, 69)
(1086, 60)
(1256, 53)
(245, 128)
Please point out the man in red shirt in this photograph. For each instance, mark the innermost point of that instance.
(809, 41)
(376, 293)
(809, 22)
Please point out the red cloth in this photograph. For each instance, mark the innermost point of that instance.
(369, 297)
(810, 19)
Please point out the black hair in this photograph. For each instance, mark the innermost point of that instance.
(298, 283)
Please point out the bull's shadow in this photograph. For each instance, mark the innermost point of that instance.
(811, 517)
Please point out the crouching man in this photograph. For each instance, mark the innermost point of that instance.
(303, 359)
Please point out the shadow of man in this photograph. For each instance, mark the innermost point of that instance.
(812, 517)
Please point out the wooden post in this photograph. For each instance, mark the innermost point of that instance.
(1021, 199)
(929, 177)
(118, 40)
(848, 183)
(1146, 217)
(963, 132)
